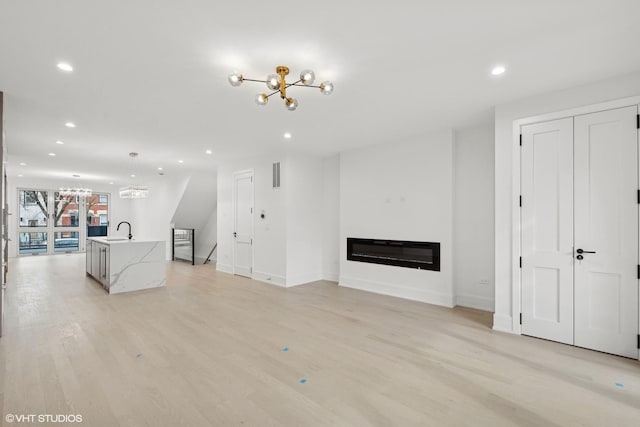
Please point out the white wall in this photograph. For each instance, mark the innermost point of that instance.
(303, 188)
(269, 243)
(506, 180)
(196, 209)
(331, 218)
(401, 191)
(119, 208)
(208, 237)
(151, 217)
(288, 244)
(473, 228)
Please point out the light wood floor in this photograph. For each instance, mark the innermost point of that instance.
(208, 350)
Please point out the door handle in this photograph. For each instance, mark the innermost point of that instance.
(582, 251)
(235, 234)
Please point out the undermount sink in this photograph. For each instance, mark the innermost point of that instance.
(115, 239)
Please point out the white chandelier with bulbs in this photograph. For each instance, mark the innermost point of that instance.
(75, 191)
(134, 191)
(278, 84)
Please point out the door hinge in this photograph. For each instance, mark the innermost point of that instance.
(520, 140)
(639, 197)
(520, 262)
(639, 271)
(637, 121)
(521, 318)
(520, 201)
(638, 341)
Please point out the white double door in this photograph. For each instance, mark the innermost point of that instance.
(579, 225)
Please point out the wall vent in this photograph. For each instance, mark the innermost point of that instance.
(276, 175)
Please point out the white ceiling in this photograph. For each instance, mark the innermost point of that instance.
(151, 75)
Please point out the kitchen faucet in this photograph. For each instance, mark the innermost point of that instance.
(125, 222)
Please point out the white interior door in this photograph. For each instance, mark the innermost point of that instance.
(606, 223)
(579, 225)
(243, 223)
(547, 230)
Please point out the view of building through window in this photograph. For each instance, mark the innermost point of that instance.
(97, 215)
(61, 216)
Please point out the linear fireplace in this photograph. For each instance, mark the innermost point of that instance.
(401, 253)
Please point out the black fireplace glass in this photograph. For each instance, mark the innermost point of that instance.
(400, 253)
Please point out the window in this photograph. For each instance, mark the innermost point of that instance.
(97, 214)
(54, 222)
(32, 243)
(34, 205)
(66, 210)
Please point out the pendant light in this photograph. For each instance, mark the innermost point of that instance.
(133, 191)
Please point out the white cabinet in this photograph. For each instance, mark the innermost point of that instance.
(103, 276)
(97, 263)
(95, 259)
(89, 247)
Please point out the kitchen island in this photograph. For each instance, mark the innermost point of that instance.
(123, 265)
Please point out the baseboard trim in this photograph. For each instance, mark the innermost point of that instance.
(225, 268)
(398, 292)
(474, 301)
(272, 279)
(331, 277)
(503, 323)
(303, 280)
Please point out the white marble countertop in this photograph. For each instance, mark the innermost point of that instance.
(127, 265)
(121, 240)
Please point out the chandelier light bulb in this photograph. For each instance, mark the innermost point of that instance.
(273, 82)
(291, 104)
(307, 77)
(326, 88)
(262, 99)
(235, 79)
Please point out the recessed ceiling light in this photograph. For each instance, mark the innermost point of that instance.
(65, 66)
(497, 70)
(180, 161)
(52, 154)
(20, 175)
(111, 183)
(59, 142)
(132, 175)
(159, 168)
(23, 164)
(70, 124)
(287, 135)
(209, 152)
